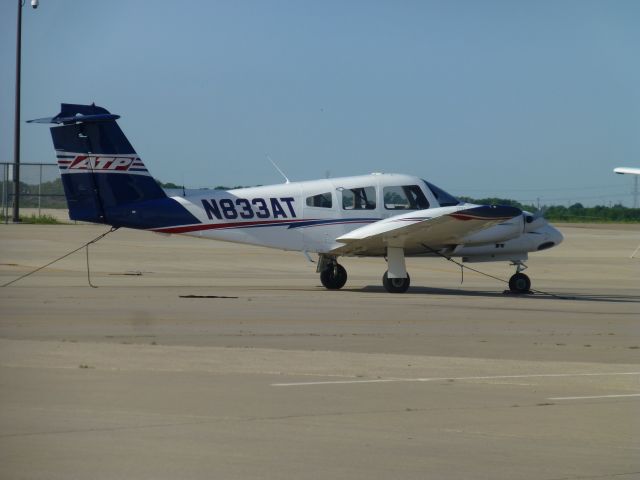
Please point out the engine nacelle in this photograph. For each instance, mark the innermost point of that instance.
(542, 238)
(498, 233)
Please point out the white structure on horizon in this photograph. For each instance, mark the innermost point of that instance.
(631, 171)
(636, 172)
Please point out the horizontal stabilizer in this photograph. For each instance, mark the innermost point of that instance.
(73, 113)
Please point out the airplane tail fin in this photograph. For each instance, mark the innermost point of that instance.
(101, 172)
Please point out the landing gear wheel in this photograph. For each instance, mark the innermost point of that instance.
(395, 285)
(519, 283)
(334, 277)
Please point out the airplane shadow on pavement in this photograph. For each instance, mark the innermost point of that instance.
(613, 298)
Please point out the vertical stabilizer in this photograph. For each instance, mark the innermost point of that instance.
(101, 172)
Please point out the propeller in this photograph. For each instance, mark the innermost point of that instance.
(532, 221)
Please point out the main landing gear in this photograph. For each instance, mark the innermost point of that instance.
(519, 282)
(332, 275)
(396, 279)
(395, 285)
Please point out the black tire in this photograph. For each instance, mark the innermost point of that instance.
(395, 285)
(519, 283)
(334, 277)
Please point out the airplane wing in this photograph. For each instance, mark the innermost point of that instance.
(628, 170)
(437, 228)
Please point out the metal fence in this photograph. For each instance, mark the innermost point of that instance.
(40, 189)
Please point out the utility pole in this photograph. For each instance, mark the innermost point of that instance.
(16, 129)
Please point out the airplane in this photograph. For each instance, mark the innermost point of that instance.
(628, 170)
(377, 215)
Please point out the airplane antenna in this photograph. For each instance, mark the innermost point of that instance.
(286, 180)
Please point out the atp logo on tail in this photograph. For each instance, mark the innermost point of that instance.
(101, 163)
(84, 162)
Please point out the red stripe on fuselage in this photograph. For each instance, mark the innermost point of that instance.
(221, 226)
(264, 223)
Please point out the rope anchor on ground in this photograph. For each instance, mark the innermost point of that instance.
(463, 267)
(85, 245)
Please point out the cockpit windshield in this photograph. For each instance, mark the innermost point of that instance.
(444, 199)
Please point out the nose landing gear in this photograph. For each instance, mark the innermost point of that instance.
(519, 282)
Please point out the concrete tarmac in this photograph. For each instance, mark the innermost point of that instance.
(200, 359)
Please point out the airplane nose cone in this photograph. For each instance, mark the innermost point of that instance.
(551, 237)
(556, 235)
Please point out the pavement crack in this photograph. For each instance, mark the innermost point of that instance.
(104, 429)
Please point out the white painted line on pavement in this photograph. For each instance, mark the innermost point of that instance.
(439, 379)
(596, 396)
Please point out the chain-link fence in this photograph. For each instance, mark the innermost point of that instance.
(40, 190)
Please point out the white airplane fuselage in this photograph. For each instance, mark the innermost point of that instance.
(249, 215)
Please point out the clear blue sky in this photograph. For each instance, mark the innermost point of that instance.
(510, 98)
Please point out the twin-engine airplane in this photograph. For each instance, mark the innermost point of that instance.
(379, 215)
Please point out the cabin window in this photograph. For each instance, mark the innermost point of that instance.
(406, 197)
(359, 198)
(322, 200)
